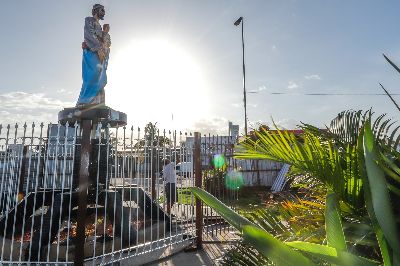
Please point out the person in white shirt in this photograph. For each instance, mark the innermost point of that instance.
(169, 175)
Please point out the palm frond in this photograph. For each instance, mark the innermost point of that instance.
(346, 125)
(321, 159)
(391, 63)
(243, 254)
(390, 97)
(345, 128)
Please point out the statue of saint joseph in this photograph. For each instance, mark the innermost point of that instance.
(96, 50)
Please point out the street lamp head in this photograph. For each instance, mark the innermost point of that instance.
(237, 22)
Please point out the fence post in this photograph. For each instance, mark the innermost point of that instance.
(83, 191)
(22, 172)
(198, 183)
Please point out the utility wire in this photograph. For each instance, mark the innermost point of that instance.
(326, 94)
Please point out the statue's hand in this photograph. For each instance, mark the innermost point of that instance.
(101, 55)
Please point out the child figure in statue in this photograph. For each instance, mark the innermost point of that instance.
(106, 42)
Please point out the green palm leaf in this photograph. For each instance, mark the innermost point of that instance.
(379, 196)
(260, 239)
(333, 223)
(331, 254)
(272, 248)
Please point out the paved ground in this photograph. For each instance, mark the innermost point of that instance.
(210, 255)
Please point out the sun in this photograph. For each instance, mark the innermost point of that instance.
(157, 80)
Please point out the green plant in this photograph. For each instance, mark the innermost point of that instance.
(357, 163)
(285, 253)
(352, 171)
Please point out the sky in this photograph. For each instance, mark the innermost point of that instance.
(179, 62)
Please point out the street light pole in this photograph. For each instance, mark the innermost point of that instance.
(237, 23)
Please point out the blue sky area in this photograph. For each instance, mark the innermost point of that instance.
(178, 63)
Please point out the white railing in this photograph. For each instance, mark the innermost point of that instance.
(124, 201)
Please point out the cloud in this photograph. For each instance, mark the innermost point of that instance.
(313, 77)
(255, 124)
(213, 126)
(64, 91)
(31, 101)
(259, 89)
(262, 88)
(29, 107)
(284, 123)
(240, 105)
(292, 85)
(287, 123)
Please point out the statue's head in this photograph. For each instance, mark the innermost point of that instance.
(98, 10)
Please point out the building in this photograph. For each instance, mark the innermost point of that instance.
(233, 130)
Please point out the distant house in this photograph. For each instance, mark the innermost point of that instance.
(267, 128)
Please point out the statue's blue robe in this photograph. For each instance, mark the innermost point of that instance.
(93, 75)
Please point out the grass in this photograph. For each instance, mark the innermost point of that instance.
(251, 198)
(184, 197)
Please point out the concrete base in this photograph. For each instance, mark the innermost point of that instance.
(148, 254)
(143, 254)
(97, 113)
(156, 255)
(93, 248)
(11, 250)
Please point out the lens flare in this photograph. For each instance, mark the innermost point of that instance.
(219, 161)
(234, 180)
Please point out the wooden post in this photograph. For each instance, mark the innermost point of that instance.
(198, 183)
(83, 191)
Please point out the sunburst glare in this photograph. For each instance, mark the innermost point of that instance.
(159, 81)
